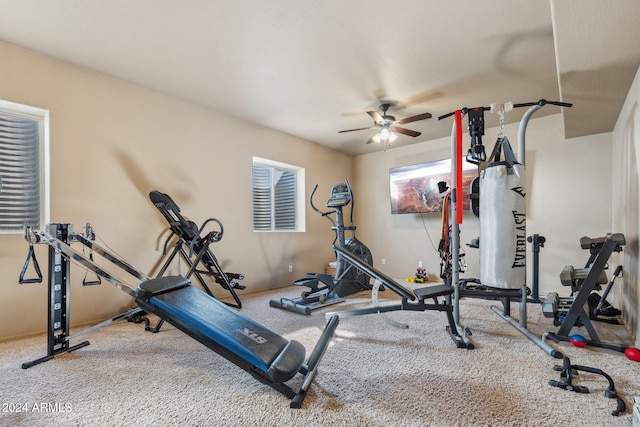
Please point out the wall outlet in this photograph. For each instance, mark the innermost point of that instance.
(419, 264)
(290, 268)
(384, 261)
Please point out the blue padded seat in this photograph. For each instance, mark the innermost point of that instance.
(218, 326)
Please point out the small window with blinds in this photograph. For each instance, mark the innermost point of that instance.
(23, 167)
(278, 196)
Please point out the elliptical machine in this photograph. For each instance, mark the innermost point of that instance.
(325, 289)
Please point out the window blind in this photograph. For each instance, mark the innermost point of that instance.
(274, 198)
(285, 200)
(261, 197)
(20, 172)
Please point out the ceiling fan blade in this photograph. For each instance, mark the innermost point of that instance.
(422, 98)
(351, 130)
(422, 116)
(370, 140)
(375, 116)
(405, 131)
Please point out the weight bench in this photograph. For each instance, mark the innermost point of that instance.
(270, 358)
(411, 300)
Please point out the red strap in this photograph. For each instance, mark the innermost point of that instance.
(459, 190)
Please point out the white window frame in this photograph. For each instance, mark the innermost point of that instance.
(299, 193)
(42, 116)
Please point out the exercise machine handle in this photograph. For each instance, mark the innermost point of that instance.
(464, 110)
(315, 187)
(542, 103)
(31, 255)
(290, 305)
(323, 214)
(603, 299)
(353, 205)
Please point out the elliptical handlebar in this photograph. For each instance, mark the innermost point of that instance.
(315, 187)
(322, 214)
(353, 203)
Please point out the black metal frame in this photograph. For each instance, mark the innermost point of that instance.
(601, 250)
(409, 298)
(190, 242)
(475, 155)
(58, 314)
(60, 237)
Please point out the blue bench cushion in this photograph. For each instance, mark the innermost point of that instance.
(276, 356)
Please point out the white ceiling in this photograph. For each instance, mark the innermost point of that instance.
(310, 68)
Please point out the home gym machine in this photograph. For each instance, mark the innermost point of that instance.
(325, 289)
(268, 357)
(59, 282)
(499, 200)
(570, 312)
(190, 237)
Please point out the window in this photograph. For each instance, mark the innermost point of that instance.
(24, 167)
(278, 196)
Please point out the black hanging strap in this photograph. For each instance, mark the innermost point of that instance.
(31, 255)
(86, 282)
(503, 147)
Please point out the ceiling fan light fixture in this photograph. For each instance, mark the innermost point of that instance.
(388, 127)
(385, 135)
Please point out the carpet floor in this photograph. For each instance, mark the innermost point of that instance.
(372, 374)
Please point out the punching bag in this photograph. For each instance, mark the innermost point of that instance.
(502, 220)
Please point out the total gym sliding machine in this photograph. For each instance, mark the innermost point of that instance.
(268, 357)
(325, 289)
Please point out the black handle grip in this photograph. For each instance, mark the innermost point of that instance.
(621, 407)
(464, 111)
(444, 116)
(542, 103)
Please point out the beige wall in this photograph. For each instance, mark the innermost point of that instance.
(626, 202)
(568, 196)
(111, 143)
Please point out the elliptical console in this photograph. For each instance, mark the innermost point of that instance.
(340, 196)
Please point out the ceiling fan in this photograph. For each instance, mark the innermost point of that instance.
(388, 124)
